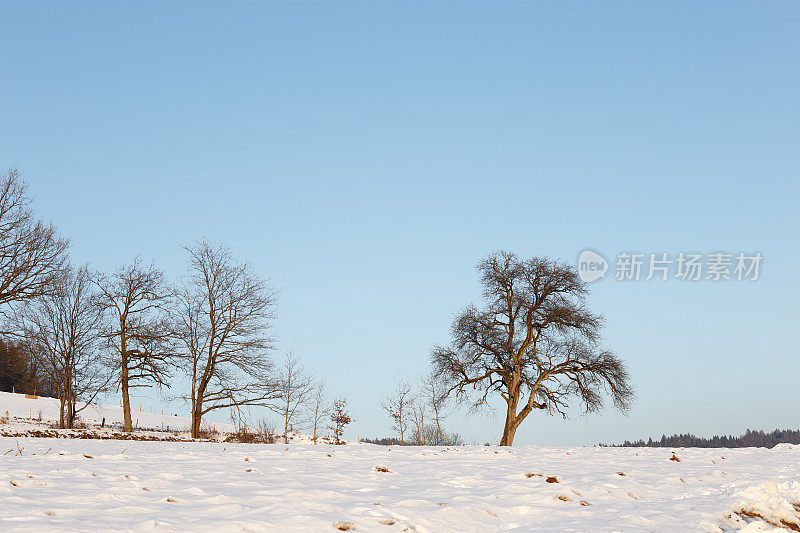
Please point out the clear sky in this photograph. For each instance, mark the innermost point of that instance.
(365, 155)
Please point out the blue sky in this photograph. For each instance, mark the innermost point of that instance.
(366, 155)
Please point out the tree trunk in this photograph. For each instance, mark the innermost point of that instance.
(286, 423)
(61, 411)
(508, 433)
(126, 402)
(197, 419)
(512, 422)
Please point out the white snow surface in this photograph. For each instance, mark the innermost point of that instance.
(63, 484)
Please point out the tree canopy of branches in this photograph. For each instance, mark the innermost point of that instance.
(62, 332)
(224, 312)
(32, 255)
(295, 386)
(533, 343)
(138, 331)
(399, 404)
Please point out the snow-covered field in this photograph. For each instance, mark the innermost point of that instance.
(99, 485)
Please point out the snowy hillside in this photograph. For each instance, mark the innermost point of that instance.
(67, 485)
(18, 406)
(33, 416)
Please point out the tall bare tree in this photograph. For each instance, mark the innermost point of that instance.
(224, 313)
(32, 255)
(136, 300)
(398, 405)
(319, 409)
(62, 331)
(295, 386)
(534, 344)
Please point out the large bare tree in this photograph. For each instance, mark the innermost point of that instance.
(295, 387)
(62, 331)
(32, 255)
(224, 313)
(534, 344)
(136, 300)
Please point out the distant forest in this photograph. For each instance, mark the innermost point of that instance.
(751, 439)
(386, 441)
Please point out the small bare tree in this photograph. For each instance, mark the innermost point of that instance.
(32, 255)
(398, 405)
(433, 398)
(224, 312)
(340, 418)
(534, 344)
(418, 416)
(295, 386)
(136, 299)
(62, 331)
(319, 408)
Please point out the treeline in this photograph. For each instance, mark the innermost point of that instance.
(750, 439)
(22, 374)
(385, 441)
(73, 333)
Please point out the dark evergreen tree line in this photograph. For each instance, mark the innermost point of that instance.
(751, 439)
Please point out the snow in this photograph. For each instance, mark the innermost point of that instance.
(69, 484)
(18, 406)
(87, 484)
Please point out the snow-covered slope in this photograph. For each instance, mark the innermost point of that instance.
(18, 406)
(85, 485)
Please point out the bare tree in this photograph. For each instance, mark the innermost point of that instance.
(136, 299)
(418, 416)
(534, 344)
(32, 255)
(433, 398)
(319, 408)
(224, 312)
(295, 386)
(398, 405)
(340, 418)
(62, 331)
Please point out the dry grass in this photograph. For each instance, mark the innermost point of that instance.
(781, 523)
